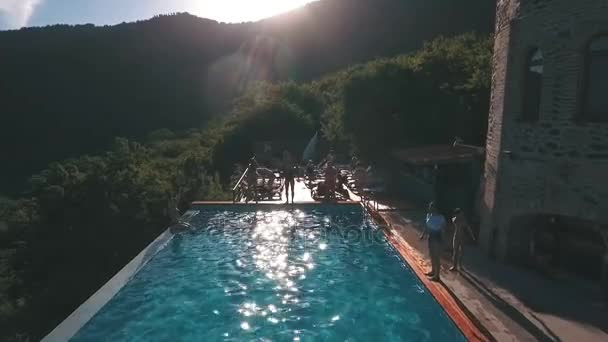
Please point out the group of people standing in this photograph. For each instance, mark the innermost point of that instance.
(435, 227)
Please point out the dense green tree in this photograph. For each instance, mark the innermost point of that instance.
(282, 112)
(428, 97)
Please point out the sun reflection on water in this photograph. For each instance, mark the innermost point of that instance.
(272, 242)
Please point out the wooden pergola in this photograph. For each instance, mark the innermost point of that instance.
(438, 154)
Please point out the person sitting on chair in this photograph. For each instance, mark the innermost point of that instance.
(341, 181)
(321, 191)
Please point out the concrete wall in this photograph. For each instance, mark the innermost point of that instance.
(557, 165)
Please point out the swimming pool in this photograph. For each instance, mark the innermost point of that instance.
(274, 274)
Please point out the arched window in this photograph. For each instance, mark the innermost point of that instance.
(596, 80)
(533, 83)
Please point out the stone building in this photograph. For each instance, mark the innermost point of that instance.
(546, 169)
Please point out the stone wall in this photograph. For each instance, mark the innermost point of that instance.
(558, 165)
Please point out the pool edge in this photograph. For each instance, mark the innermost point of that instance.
(274, 204)
(69, 327)
(463, 321)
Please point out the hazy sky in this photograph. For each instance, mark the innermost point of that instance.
(19, 13)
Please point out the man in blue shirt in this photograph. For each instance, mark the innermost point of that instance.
(435, 224)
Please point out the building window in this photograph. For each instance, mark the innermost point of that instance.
(533, 83)
(596, 80)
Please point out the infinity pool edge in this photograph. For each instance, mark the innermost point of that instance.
(85, 312)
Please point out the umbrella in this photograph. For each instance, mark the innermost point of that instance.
(311, 148)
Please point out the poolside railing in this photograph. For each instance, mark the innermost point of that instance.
(237, 191)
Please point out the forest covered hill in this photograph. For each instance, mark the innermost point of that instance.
(69, 90)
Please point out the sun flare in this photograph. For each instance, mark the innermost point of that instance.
(243, 10)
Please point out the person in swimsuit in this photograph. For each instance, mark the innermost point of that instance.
(435, 224)
(289, 173)
(252, 179)
(460, 225)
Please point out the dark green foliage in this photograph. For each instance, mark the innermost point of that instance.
(429, 97)
(283, 112)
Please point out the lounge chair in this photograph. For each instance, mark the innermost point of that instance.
(271, 189)
(249, 191)
(320, 192)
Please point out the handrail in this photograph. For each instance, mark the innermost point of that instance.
(240, 179)
(238, 184)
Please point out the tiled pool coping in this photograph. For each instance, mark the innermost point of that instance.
(73, 323)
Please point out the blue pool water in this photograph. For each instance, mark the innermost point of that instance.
(315, 274)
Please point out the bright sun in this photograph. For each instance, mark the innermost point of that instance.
(242, 10)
